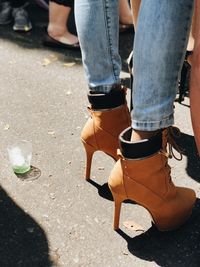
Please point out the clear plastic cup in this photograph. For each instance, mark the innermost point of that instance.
(20, 155)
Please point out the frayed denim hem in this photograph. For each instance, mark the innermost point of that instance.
(153, 125)
(104, 88)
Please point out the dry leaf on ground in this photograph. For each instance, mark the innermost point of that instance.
(47, 61)
(68, 65)
(52, 133)
(6, 127)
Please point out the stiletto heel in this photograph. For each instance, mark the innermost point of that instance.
(89, 154)
(118, 199)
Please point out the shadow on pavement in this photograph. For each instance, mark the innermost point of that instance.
(22, 241)
(104, 191)
(168, 249)
(188, 147)
(178, 248)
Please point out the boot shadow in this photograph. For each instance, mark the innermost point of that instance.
(187, 145)
(176, 248)
(22, 240)
(104, 191)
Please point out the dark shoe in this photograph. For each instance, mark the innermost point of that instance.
(21, 20)
(51, 42)
(185, 78)
(5, 13)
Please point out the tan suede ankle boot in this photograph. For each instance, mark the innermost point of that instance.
(142, 174)
(109, 117)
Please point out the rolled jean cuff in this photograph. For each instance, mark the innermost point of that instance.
(153, 125)
(104, 88)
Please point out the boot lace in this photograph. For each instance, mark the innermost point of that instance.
(172, 134)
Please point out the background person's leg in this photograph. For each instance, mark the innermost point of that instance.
(135, 5)
(195, 79)
(125, 17)
(59, 12)
(15, 10)
(21, 18)
(5, 12)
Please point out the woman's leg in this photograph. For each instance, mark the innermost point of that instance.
(142, 173)
(146, 179)
(159, 50)
(97, 25)
(21, 18)
(59, 12)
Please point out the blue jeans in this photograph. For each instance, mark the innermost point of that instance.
(159, 49)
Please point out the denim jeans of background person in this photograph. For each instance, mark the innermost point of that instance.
(141, 172)
(15, 11)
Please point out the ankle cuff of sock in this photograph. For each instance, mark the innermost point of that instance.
(141, 149)
(115, 98)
